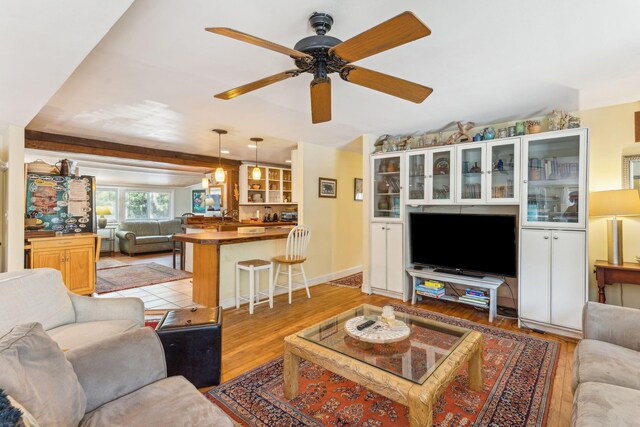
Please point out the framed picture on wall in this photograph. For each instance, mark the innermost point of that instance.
(357, 189)
(327, 187)
(198, 201)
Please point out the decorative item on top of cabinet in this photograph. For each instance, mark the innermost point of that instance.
(462, 135)
(533, 126)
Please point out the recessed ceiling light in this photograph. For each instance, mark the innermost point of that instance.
(225, 151)
(287, 161)
(251, 146)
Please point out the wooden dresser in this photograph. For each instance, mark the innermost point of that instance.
(74, 255)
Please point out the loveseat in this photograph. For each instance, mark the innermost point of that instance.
(606, 368)
(39, 295)
(119, 381)
(149, 235)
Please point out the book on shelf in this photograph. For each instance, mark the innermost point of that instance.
(431, 294)
(473, 301)
(431, 284)
(476, 292)
(478, 299)
(429, 290)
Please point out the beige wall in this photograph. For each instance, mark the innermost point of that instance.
(611, 136)
(12, 152)
(336, 224)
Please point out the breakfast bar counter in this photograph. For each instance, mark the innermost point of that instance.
(215, 255)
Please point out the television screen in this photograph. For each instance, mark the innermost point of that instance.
(464, 242)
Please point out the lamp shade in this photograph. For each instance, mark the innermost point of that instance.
(614, 203)
(219, 174)
(103, 210)
(256, 173)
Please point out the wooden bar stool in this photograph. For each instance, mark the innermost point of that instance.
(295, 255)
(254, 266)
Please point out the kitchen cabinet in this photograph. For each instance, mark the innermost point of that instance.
(554, 184)
(470, 174)
(387, 203)
(552, 279)
(503, 171)
(74, 256)
(275, 186)
(387, 261)
(440, 180)
(415, 177)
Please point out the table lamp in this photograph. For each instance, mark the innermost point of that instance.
(102, 211)
(614, 203)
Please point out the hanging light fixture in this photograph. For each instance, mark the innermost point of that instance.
(205, 181)
(219, 174)
(256, 173)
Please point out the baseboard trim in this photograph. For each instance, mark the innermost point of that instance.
(318, 280)
(556, 330)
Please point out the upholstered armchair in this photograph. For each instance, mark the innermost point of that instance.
(39, 295)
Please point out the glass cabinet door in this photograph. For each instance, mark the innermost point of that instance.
(273, 175)
(440, 176)
(555, 180)
(416, 188)
(503, 171)
(387, 200)
(470, 173)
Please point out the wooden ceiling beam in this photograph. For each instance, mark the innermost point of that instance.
(71, 144)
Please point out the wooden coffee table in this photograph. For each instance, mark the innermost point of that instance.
(413, 372)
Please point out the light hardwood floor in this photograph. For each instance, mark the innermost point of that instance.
(249, 341)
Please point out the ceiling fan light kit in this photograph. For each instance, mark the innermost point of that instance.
(219, 174)
(322, 55)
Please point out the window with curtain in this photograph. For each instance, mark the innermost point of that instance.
(147, 204)
(108, 197)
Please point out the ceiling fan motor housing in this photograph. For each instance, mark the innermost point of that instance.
(318, 47)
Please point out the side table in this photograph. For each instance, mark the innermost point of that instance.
(608, 274)
(192, 342)
(110, 233)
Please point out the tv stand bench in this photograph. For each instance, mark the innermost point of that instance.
(486, 282)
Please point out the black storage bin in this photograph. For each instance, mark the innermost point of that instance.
(192, 341)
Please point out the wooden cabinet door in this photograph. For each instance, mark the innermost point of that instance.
(534, 277)
(378, 277)
(395, 261)
(568, 278)
(80, 269)
(52, 258)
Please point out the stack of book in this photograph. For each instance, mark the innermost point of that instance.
(476, 297)
(430, 288)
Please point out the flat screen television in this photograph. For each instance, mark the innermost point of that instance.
(464, 243)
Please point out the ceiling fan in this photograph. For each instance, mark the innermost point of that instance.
(322, 55)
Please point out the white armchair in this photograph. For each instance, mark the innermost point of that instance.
(39, 295)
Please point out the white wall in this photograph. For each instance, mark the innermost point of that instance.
(12, 152)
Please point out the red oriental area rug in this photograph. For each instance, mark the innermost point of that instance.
(353, 281)
(518, 378)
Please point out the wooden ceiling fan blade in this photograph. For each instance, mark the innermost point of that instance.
(397, 31)
(249, 87)
(247, 38)
(320, 100)
(385, 83)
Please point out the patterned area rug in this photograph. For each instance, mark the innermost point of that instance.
(135, 276)
(106, 262)
(518, 376)
(353, 281)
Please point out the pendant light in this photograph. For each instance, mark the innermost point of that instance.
(219, 174)
(256, 173)
(205, 181)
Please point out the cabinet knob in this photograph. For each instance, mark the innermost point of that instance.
(488, 172)
(481, 172)
(430, 176)
(383, 228)
(555, 237)
(546, 237)
(524, 180)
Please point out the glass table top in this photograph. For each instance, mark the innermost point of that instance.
(414, 358)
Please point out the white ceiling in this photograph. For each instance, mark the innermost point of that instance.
(151, 79)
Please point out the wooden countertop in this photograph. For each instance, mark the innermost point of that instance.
(208, 226)
(229, 237)
(64, 236)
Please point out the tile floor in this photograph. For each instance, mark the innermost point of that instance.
(164, 296)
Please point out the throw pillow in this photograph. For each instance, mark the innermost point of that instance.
(13, 414)
(37, 374)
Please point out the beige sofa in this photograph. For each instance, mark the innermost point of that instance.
(142, 236)
(120, 381)
(39, 295)
(606, 368)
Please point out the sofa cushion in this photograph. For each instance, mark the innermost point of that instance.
(78, 334)
(170, 226)
(141, 227)
(169, 402)
(599, 405)
(36, 373)
(37, 295)
(599, 361)
(147, 240)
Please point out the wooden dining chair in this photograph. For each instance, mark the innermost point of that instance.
(295, 255)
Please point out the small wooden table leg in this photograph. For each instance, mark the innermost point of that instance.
(290, 372)
(475, 369)
(420, 413)
(600, 280)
